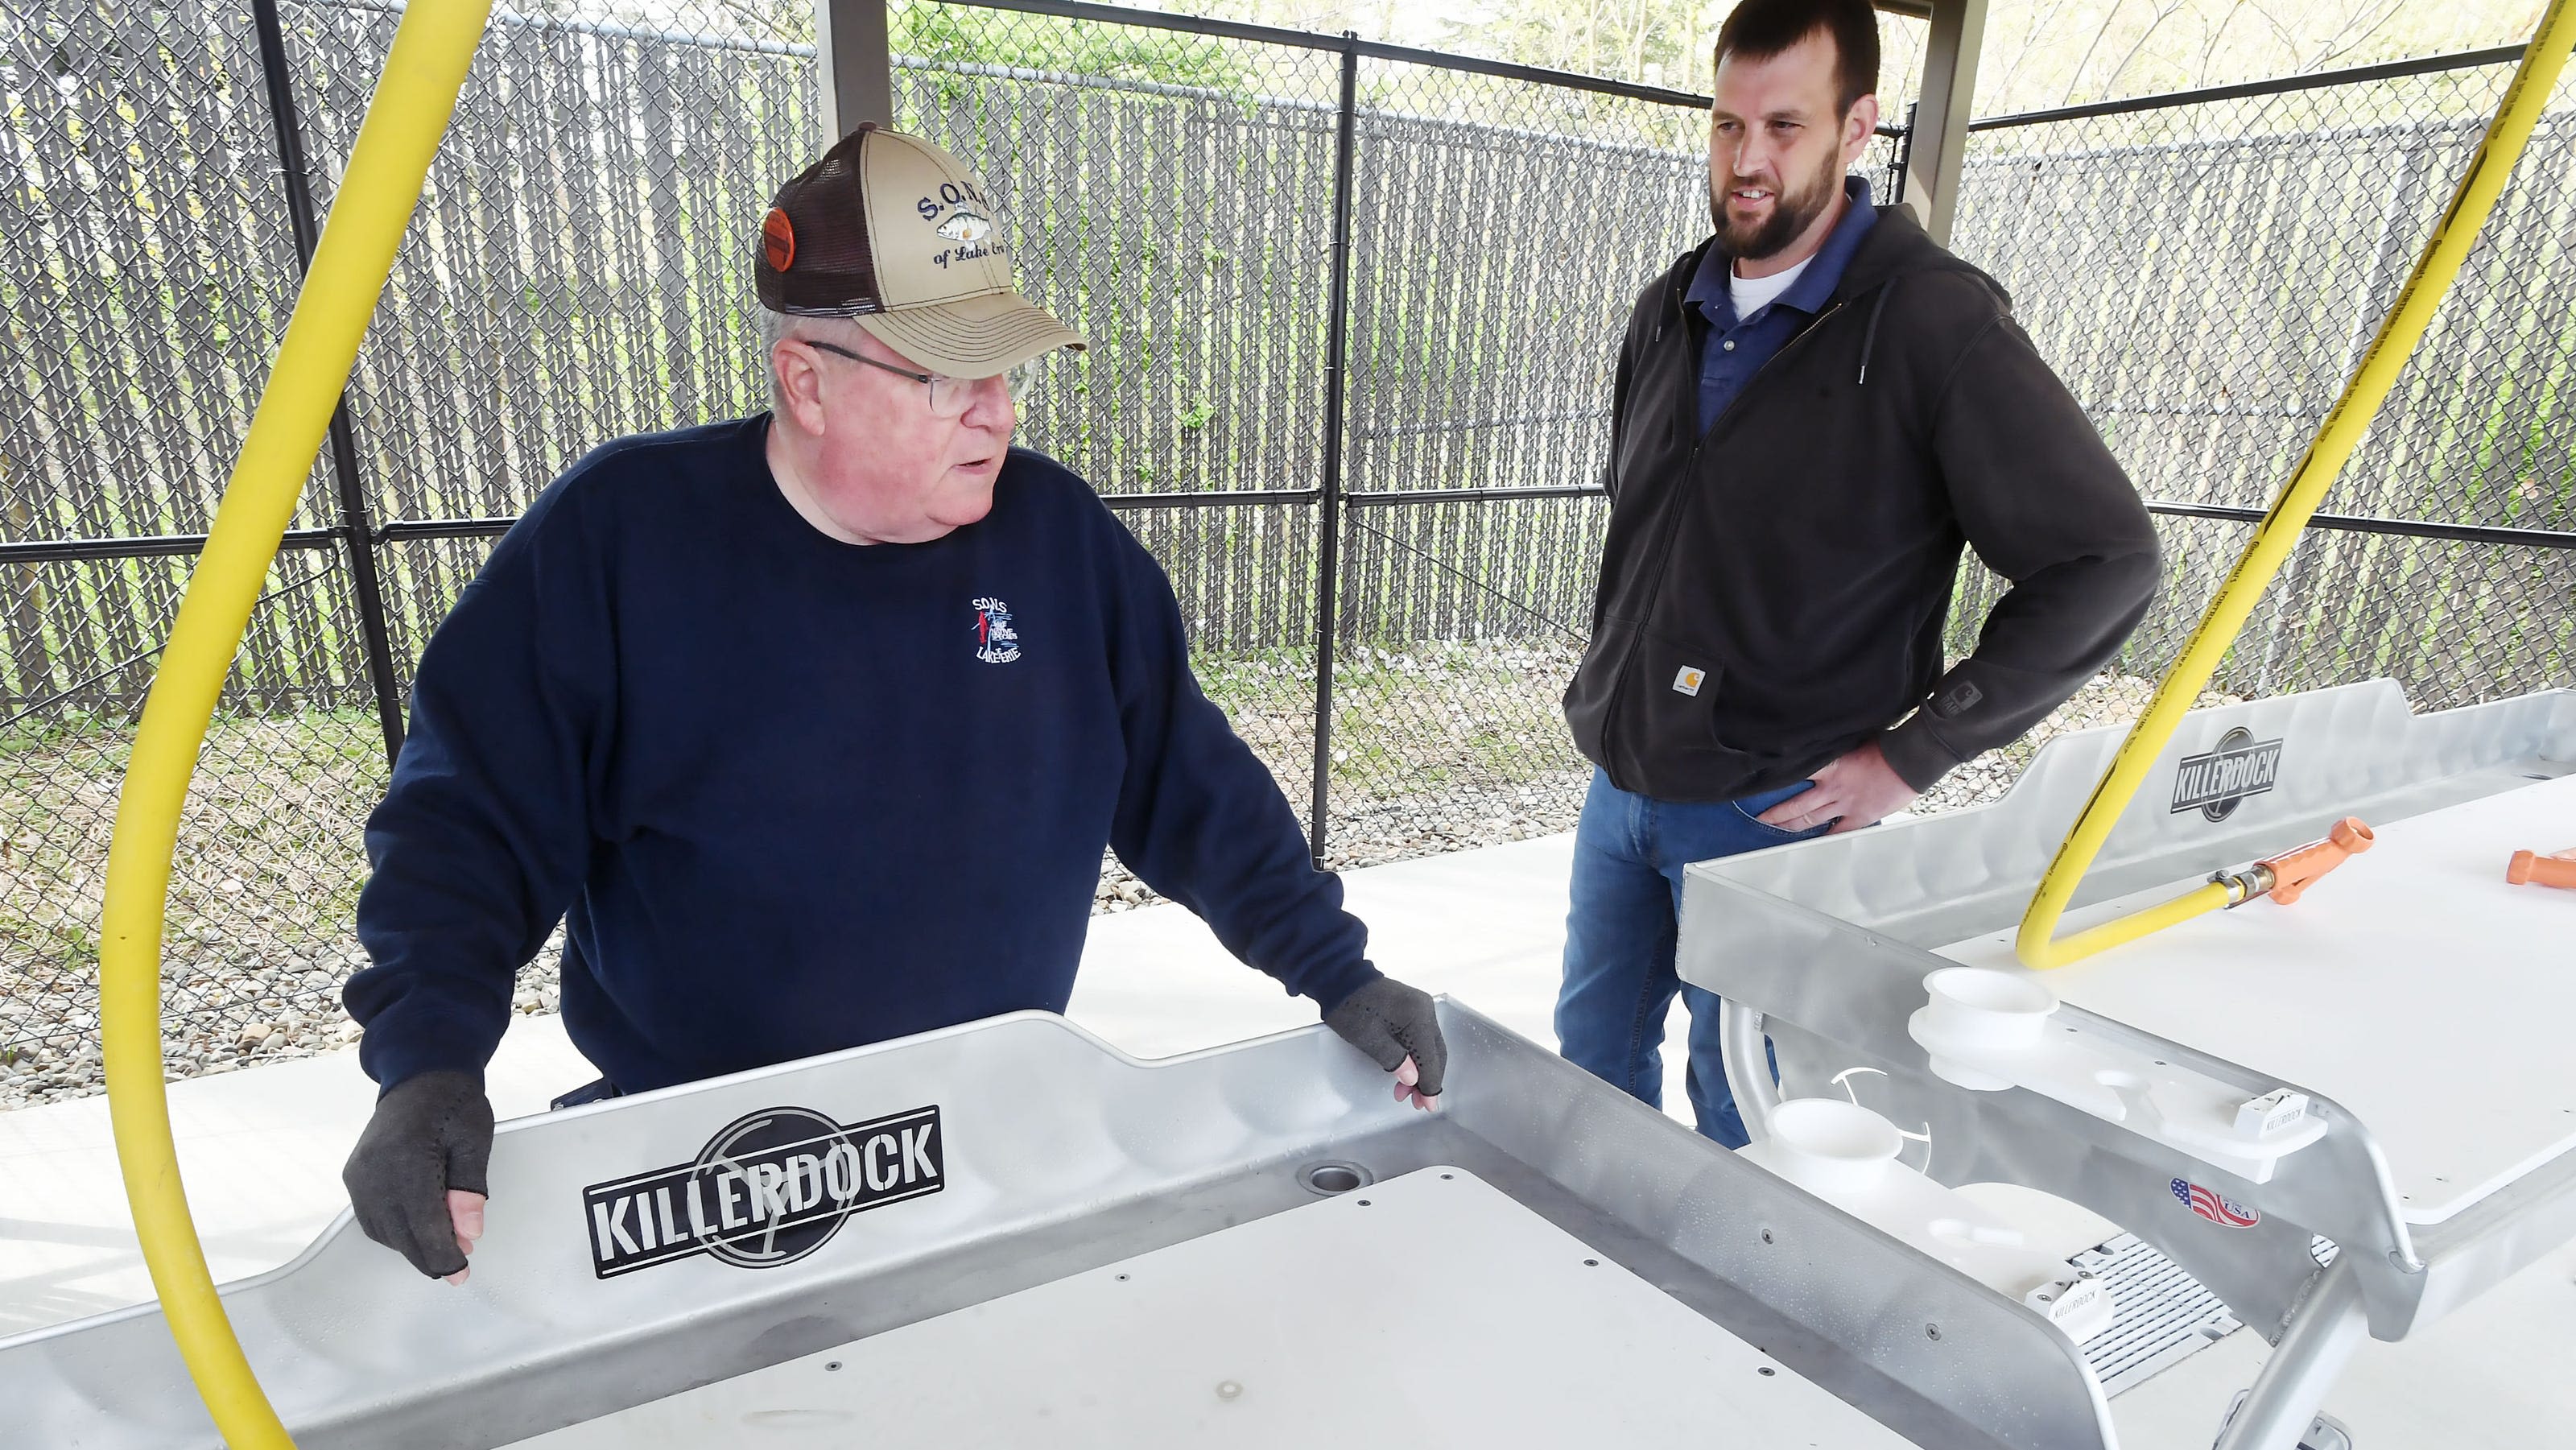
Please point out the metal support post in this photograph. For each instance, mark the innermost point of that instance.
(1904, 155)
(1937, 135)
(2312, 1352)
(1747, 1053)
(855, 75)
(1328, 523)
(356, 533)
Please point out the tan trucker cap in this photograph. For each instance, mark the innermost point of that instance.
(897, 235)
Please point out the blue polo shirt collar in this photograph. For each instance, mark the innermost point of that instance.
(1814, 287)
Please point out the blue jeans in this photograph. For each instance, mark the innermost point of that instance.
(1629, 851)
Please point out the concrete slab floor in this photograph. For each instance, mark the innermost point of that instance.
(261, 1150)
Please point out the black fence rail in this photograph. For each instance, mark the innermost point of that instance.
(1353, 309)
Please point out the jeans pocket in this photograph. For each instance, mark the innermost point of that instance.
(1760, 803)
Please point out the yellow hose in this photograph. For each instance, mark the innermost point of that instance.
(404, 122)
(2144, 920)
(2279, 531)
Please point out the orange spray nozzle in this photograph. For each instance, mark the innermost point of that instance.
(2556, 869)
(2293, 872)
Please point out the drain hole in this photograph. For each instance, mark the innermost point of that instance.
(1327, 1179)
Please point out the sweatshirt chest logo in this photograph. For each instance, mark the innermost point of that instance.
(996, 642)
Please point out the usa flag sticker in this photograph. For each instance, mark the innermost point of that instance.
(2216, 1207)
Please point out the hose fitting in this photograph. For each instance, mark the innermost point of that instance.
(2293, 872)
(2558, 868)
(2286, 877)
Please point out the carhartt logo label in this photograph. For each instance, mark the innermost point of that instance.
(2215, 784)
(996, 642)
(1688, 681)
(767, 1190)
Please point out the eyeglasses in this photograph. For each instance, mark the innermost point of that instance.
(949, 397)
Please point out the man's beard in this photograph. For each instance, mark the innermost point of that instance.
(1791, 214)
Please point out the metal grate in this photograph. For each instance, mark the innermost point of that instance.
(2164, 1317)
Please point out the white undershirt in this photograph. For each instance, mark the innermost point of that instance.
(1751, 297)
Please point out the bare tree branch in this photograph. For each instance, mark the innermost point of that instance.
(2339, 47)
(2076, 77)
(2288, 39)
(2209, 50)
(2029, 43)
(2163, 15)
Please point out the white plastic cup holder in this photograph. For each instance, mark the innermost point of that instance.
(1981, 1009)
(1830, 1147)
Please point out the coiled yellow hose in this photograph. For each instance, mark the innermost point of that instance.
(2037, 943)
(405, 120)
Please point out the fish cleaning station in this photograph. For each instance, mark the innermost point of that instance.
(2186, 1094)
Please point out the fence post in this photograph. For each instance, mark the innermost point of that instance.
(1329, 506)
(851, 63)
(356, 533)
(1949, 88)
(1904, 156)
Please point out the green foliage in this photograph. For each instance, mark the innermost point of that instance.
(954, 35)
(2036, 53)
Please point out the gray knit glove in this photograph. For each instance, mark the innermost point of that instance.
(1391, 1022)
(430, 1133)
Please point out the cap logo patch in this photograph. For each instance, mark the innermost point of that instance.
(962, 215)
(777, 240)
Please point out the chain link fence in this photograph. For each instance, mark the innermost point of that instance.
(2206, 270)
(1352, 308)
(147, 263)
(1406, 557)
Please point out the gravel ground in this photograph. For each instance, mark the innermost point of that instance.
(260, 909)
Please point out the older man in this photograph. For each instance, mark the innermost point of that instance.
(812, 726)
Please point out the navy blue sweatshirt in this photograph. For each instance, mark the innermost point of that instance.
(792, 795)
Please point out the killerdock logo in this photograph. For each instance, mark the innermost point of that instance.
(768, 1189)
(2239, 768)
